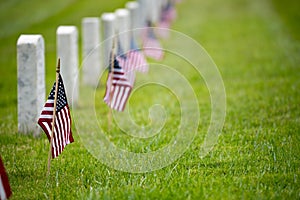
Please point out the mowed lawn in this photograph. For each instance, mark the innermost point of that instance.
(255, 45)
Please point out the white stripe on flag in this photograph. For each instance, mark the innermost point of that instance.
(50, 101)
(124, 97)
(115, 95)
(64, 122)
(2, 190)
(47, 109)
(60, 131)
(46, 124)
(55, 142)
(120, 94)
(65, 126)
(43, 116)
(68, 124)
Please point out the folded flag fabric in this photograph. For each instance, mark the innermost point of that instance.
(62, 129)
(5, 190)
(118, 88)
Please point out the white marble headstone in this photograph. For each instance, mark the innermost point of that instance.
(122, 28)
(67, 51)
(143, 12)
(153, 11)
(133, 8)
(31, 82)
(109, 21)
(91, 50)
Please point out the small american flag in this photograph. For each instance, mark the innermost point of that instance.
(168, 15)
(128, 72)
(62, 129)
(5, 190)
(118, 88)
(151, 45)
(123, 60)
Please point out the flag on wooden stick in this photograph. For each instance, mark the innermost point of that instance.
(62, 134)
(5, 190)
(118, 88)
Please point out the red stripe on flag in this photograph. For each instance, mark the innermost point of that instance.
(5, 190)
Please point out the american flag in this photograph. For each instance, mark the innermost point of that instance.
(123, 60)
(5, 190)
(118, 88)
(151, 45)
(62, 129)
(168, 15)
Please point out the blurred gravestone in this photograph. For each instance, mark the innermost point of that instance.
(133, 8)
(108, 20)
(91, 50)
(154, 11)
(122, 28)
(143, 12)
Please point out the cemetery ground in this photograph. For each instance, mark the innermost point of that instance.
(255, 45)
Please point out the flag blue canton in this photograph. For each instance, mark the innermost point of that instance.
(61, 95)
(116, 65)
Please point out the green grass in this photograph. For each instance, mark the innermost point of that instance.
(254, 43)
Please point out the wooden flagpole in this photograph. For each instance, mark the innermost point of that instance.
(112, 64)
(54, 116)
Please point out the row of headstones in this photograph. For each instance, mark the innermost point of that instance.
(31, 61)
